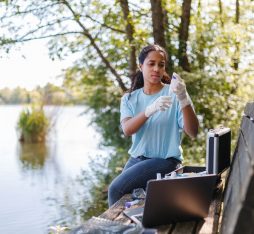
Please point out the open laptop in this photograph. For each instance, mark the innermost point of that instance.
(174, 200)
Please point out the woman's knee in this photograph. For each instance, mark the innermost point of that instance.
(114, 192)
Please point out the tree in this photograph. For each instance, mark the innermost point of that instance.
(50, 24)
(237, 43)
(130, 31)
(184, 34)
(158, 23)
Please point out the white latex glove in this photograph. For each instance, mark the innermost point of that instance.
(160, 104)
(179, 88)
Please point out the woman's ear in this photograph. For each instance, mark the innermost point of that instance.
(140, 67)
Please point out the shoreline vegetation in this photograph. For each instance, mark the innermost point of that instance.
(33, 125)
(48, 95)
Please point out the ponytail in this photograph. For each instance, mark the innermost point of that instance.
(137, 82)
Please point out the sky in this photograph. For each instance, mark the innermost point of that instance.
(30, 66)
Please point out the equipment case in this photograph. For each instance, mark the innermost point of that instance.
(218, 150)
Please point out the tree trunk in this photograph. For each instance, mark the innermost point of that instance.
(236, 57)
(221, 13)
(200, 38)
(237, 12)
(183, 35)
(170, 65)
(129, 28)
(157, 21)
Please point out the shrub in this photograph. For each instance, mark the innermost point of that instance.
(33, 125)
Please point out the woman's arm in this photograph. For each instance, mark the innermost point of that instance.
(190, 121)
(131, 125)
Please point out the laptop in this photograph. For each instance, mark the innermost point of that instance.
(174, 200)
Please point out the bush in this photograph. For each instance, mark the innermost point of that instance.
(33, 125)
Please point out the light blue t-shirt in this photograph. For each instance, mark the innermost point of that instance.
(160, 136)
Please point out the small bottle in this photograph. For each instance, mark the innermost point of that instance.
(131, 203)
(158, 176)
(173, 175)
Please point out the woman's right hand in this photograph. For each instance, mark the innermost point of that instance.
(160, 104)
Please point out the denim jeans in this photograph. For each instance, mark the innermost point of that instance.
(136, 173)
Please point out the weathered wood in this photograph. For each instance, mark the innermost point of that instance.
(211, 222)
(247, 132)
(249, 109)
(115, 210)
(238, 215)
(185, 227)
(165, 229)
(245, 221)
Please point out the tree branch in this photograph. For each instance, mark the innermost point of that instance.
(20, 40)
(93, 43)
(105, 25)
(28, 11)
(43, 26)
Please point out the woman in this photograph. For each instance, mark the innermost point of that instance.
(154, 113)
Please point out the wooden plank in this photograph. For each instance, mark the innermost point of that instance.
(233, 183)
(245, 221)
(165, 229)
(241, 166)
(250, 194)
(238, 200)
(211, 222)
(245, 169)
(123, 218)
(231, 194)
(247, 130)
(249, 109)
(185, 227)
(115, 210)
(248, 138)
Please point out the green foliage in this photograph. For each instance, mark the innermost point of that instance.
(103, 99)
(33, 125)
(102, 172)
(49, 95)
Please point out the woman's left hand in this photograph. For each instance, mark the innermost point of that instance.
(179, 88)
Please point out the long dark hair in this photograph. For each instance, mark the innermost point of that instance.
(137, 80)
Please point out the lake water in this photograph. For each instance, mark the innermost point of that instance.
(38, 182)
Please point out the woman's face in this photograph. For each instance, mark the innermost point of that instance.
(153, 67)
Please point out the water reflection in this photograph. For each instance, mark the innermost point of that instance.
(43, 184)
(32, 155)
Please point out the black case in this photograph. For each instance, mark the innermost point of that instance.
(218, 150)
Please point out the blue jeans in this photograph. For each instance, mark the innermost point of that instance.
(136, 173)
